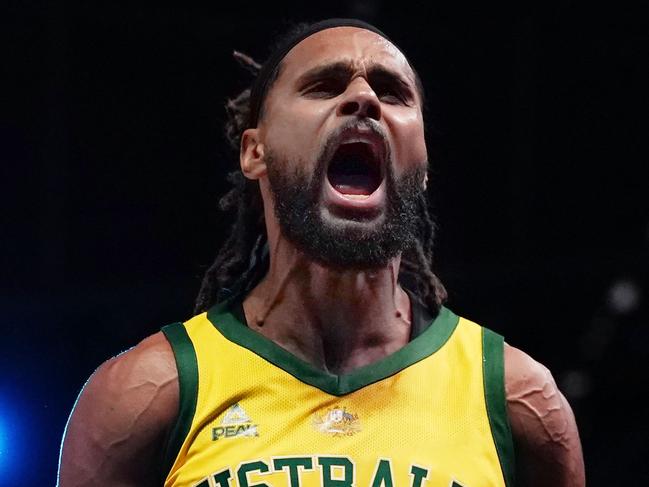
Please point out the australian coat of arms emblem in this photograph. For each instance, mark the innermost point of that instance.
(337, 421)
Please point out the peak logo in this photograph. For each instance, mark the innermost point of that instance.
(235, 424)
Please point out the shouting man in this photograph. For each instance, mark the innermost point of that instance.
(321, 353)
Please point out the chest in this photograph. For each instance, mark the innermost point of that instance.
(424, 426)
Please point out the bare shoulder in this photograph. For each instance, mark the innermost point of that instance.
(118, 425)
(548, 449)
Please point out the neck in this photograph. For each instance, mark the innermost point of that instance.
(337, 320)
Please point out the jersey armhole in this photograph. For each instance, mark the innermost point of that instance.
(187, 367)
(493, 362)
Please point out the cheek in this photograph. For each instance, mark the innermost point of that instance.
(409, 143)
(294, 129)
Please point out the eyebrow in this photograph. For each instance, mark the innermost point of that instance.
(344, 69)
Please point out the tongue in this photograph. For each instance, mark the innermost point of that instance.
(352, 184)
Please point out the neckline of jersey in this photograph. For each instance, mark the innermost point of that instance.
(424, 345)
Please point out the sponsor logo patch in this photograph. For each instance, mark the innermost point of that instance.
(235, 424)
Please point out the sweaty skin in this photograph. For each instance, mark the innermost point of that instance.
(117, 427)
(548, 450)
(116, 431)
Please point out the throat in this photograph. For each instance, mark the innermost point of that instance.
(335, 319)
(336, 338)
(354, 177)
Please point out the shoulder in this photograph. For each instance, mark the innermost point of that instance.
(121, 417)
(151, 361)
(543, 425)
(142, 373)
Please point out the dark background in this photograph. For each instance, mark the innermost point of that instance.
(112, 159)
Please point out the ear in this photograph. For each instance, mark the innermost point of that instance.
(251, 155)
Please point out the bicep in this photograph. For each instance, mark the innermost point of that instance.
(548, 449)
(117, 427)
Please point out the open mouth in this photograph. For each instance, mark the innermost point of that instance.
(355, 170)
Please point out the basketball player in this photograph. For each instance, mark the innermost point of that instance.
(322, 354)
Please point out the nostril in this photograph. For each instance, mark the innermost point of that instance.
(369, 110)
(374, 112)
(350, 108)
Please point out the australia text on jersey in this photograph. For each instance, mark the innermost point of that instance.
(333, 472)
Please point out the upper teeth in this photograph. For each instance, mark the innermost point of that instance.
(362, 140)
(357, 140)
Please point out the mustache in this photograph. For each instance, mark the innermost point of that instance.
(364, 123)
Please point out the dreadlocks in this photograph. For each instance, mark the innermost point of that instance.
(235, 263)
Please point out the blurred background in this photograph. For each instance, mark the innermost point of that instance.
(112, 160)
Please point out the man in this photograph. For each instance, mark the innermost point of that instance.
(325, 356)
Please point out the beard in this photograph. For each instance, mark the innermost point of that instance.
(352, 241)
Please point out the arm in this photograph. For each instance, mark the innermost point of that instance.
(548, 450)
(118, 425)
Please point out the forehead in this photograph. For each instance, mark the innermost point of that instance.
(362, 48)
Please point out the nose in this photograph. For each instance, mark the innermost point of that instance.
(360, 100)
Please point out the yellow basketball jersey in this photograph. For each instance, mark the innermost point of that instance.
(253, 415)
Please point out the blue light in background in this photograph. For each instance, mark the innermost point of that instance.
(10, 441)
(3, 441)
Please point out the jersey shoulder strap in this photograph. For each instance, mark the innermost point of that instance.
(493, 364)
(187, 367)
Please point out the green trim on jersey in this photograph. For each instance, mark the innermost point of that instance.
(493, 361)
(187, 367)
(421, 347)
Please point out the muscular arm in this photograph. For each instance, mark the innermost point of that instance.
(115, 434)
(548, 450)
